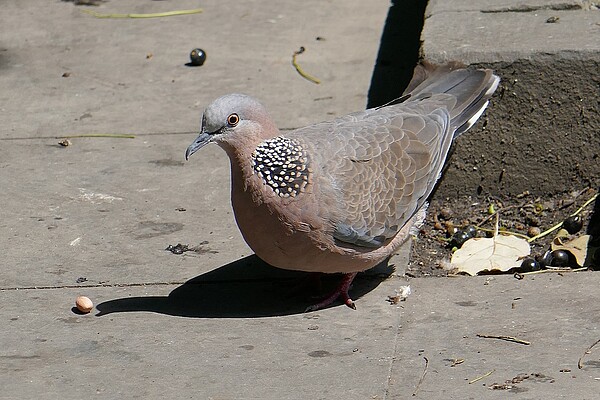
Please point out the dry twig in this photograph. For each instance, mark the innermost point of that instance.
(457, 361)
(507, 338)
(588, 351)
(481, 377)
(553, 269)
(300, 70)
(422, 376)
(150, 15)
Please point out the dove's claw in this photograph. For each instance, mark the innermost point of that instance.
(340, 292)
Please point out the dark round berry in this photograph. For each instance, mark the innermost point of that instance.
(481, 234)
(529, 264)
(459, 238)
(546, 259)
(471, 231)
(560, 258)
(197, 57)
(573, 224)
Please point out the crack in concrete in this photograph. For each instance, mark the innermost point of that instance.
(137, 135)
(169, 283)
(97, 285)
(523, 8)
(388, 383)
(584, 5)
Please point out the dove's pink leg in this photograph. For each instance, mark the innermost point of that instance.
(340, 291)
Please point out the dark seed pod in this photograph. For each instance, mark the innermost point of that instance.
(560, 258)
(529, 264)
(545, 260)
(459, 238)
(573, 224)
(481, 234)
(197, 57)
(471, 231)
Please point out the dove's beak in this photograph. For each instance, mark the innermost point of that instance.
(202, 140)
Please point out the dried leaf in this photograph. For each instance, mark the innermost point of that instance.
(499, 253)
(578, 247)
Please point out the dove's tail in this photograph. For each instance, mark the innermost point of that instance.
(470, 90)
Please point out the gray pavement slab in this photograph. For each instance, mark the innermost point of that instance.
(492, 34)
(498, 6)
(50, 352)
(129, 75)
(218, 323)
(558, 315)
(94, 218)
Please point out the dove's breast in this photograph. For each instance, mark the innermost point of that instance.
(287, 211)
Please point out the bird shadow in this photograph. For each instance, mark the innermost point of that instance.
(399, 51)
(593, 229)
(246, 288)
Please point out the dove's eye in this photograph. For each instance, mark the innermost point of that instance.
(233, 120)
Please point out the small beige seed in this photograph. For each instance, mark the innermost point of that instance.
(84, 304)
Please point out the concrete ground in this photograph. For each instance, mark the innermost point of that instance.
(94, 218)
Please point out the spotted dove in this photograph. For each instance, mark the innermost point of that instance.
(343, 195)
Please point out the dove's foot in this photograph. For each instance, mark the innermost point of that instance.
(341, 291)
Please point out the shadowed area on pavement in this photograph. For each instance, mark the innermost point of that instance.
(247, 288)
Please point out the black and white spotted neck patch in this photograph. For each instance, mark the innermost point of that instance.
(283, 165)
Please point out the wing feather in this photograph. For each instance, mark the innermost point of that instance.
(382, 165)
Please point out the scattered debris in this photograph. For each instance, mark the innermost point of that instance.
(507, 338)
(588, 351)
(178, 248)
(401, 294)
(481, 377)
(511, 383)
(552, 20)
(523, 216)
(457, 361)
(300, 71)
(180, 209)
(557, 226)
(182, 248)
(422, 376)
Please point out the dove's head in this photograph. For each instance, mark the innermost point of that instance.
(231, 121)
